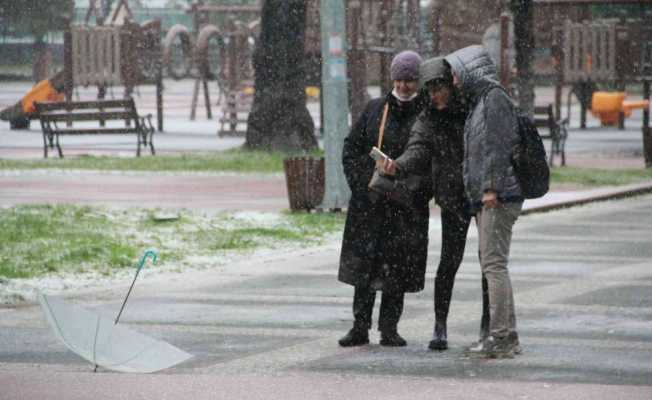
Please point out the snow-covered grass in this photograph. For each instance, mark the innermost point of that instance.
(234, 160)
(599, 177)
(59, 247)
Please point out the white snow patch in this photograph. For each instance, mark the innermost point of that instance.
(14, 291)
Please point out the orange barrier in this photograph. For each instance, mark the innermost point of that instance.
(606, 106)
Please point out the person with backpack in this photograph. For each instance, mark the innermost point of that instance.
(437, 144)
(492, 187)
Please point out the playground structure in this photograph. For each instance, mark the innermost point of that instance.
(604, 52)
(211, 53)
(614, 52)
(121, 53)
(223, 52)
(585, 50)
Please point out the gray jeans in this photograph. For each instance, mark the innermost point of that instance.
(495, 236)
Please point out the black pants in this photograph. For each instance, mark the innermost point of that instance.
(454, 228)
(391, 308)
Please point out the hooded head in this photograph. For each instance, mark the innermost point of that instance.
(434, 69)
(474, 69)
(436, 79)
(405, 66)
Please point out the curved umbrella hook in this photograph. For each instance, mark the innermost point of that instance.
(149, 253)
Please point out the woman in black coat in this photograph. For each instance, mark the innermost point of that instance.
(385, 243)
(437, 138)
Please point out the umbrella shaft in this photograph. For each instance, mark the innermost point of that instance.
(124, 303)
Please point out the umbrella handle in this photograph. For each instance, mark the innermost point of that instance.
(151, 253)
(148, 253)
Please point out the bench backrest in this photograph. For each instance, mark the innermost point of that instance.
(98, 110)
(544, 117)
(88, 110)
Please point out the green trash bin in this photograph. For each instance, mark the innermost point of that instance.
(304, 177)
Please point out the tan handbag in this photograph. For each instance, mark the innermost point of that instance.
(381, 183)
(386, 185)
(399, 190)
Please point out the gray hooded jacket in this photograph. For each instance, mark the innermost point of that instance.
(490, 130)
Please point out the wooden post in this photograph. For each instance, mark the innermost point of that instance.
(68, 82)
(207, 99)
(232, 102)
(414, 23)
(583, 104)
(504, 51)
(435, 22)
(67, 63)
(647, 131)
(101, 95)
(523, 12)
(193, 102)
(558, 60)
(159, 95)
(159, 77)
(621, 115)
(646, 110)
(385, 60)
(356, 60)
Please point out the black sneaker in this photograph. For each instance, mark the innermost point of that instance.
(355, 337)
(392, 339)
(439, 338)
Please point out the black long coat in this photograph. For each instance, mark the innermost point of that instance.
(385, 244)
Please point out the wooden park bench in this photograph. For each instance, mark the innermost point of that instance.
(58, 119)
(557, 132)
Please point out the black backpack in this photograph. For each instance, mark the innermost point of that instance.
(529, 159)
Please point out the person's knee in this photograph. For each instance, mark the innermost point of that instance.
(494, 265)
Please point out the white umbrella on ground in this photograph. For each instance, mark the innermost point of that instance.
(105, 343)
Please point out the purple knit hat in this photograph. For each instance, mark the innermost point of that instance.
(405, 66)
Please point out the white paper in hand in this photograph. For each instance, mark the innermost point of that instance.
(377, 155)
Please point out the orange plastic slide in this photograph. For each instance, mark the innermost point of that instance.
(41, 92)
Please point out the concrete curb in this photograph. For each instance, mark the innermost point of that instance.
(581, 198)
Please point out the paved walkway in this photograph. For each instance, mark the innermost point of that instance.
(217, 192)
(194, 191)
(268, 328)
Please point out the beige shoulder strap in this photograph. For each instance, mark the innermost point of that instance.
(382, 126)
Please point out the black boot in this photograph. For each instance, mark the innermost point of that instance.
(439, 337)
(355, 337)
(392, 339)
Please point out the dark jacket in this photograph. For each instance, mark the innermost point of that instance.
(385, 244)
(437, 143)
(490, 131)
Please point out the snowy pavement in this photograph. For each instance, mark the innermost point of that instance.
(267, 328)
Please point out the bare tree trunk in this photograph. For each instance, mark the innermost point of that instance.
(279, 118)
(524, 42)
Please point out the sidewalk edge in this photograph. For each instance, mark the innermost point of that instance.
(613, 195)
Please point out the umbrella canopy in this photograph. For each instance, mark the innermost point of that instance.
(103, 342)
